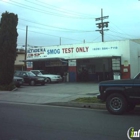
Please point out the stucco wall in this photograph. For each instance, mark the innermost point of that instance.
(19, 58)
(134, 59)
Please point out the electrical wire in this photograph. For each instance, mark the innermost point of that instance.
(65, 31)
(43, 11)
(48, 34)
(122, 32)
(52, 7)
(52, 26)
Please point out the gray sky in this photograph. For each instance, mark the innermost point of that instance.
(73, 20)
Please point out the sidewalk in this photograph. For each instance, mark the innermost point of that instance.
(56, 94)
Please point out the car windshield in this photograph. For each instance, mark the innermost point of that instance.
(30, 74)
(136, 76)
(39, 73)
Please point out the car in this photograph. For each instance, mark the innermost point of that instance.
(30, 78)
(50, 77)
(18, 81)
(120, 95)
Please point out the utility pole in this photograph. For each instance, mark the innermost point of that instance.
(26, 48)
(60, 40)
(102, 24)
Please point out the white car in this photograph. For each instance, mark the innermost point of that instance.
(49, 77)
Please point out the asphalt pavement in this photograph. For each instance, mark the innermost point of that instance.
(53, 94)
(37, 122)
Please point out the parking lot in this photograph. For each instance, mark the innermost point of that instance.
(55, 92)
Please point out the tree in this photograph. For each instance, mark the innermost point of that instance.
(8, 44)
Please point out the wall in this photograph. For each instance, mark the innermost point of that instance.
(20, 56)
(134, 59)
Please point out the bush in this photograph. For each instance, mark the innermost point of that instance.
(9, 87)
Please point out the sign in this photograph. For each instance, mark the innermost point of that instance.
(87, 50)
(29, 64)
(126, 63)
(72, 63)
(132, 134)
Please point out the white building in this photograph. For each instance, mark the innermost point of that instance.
(89, 61)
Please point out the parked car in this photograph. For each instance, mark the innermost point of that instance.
(18, 81)
(30, 78)
(50, 77)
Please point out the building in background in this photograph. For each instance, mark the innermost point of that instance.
(20, 65)
(88, 61)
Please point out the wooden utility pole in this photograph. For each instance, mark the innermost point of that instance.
(60, 40)
(102, 24)
(26, 48)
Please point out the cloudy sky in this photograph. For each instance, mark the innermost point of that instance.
(73, 20)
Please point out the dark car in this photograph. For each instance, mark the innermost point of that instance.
(120, 95)
(18, 81)
(30, 78)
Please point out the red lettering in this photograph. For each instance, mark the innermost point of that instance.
(82, 49)
(72, 50)
(87, 49)
(63, 50)
(67, 50)
(77, 49)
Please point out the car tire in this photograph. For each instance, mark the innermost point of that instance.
(48, 80)
(32, 82)
(116, 104)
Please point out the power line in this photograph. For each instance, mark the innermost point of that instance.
(117, 36)
(52, 7)
(48, 34)
(50, 25)
(96, 38)
(70, 31)
(121, 30)
(43, 11)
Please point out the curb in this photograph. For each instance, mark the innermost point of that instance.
(83, 105)
(80, 105)
(15, 89)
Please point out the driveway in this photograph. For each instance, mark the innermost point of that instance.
(56, 92)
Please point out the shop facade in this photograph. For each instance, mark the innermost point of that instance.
(88, 61)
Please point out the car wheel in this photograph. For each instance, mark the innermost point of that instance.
(116, 104)
(48, 80)
(32, 82)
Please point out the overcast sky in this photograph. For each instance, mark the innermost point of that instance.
(73, 20)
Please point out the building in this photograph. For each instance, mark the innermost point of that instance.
(20, 65)
(88, 61)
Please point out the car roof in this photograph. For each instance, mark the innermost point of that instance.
(21, 71)
(36, 70)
